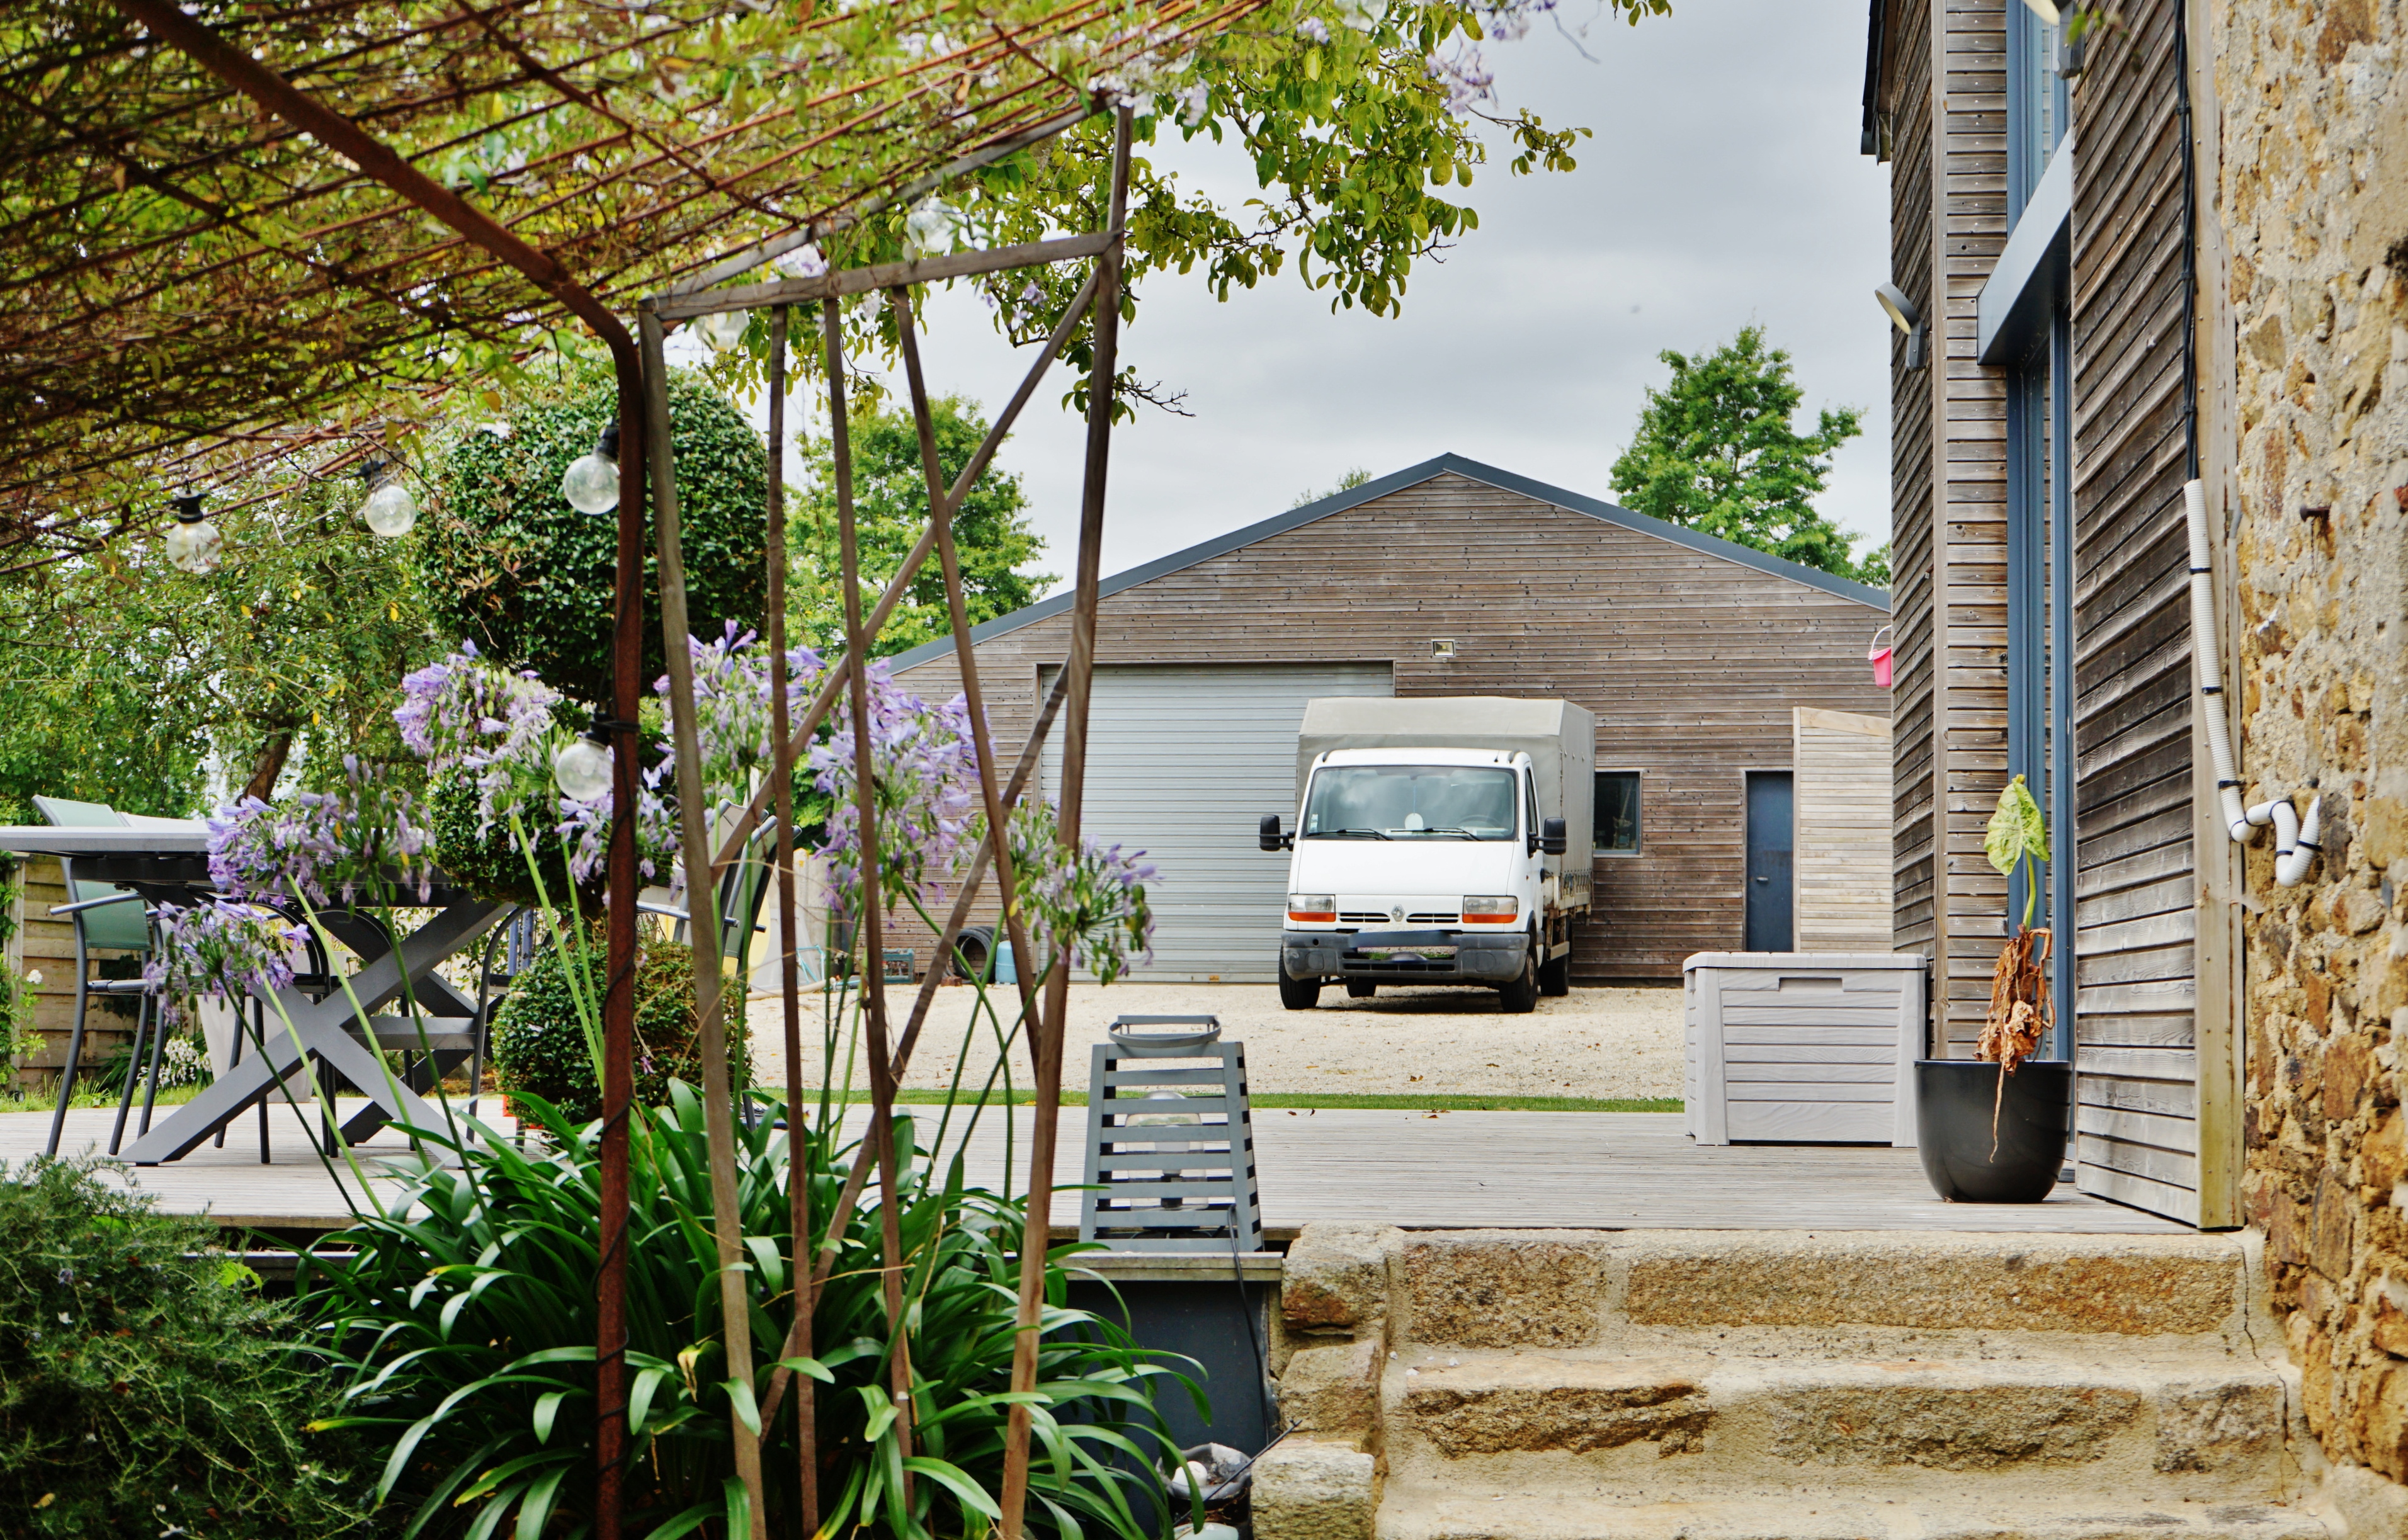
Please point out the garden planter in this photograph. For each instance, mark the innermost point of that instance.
(1954, 1098)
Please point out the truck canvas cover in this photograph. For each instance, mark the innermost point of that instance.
(1559, 737)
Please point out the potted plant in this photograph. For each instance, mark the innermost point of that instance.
(1992, 1128)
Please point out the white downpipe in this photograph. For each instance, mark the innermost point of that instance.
(2295, 843)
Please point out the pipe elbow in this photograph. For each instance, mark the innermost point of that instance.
(2300, 854)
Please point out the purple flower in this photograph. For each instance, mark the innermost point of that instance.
(1312, 29)
(321, 844)
(221, 949)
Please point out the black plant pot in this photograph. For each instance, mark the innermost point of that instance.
(1953, 1102)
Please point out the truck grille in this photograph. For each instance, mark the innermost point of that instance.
(1376, 917)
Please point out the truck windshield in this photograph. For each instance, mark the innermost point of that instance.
(1410, 801)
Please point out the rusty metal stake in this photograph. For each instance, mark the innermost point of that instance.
(1045, 1038)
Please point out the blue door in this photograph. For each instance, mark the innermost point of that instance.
(1769, 842)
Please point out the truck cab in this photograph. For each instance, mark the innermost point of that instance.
(1423, 865)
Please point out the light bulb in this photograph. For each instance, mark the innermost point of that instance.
(590, 484)
(193, 544)
(582, 770)
(724, 328)
(928, 229)
(390, 510)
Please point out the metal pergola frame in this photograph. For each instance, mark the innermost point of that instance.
(645, 469)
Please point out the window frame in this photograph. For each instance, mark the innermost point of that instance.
(1638, 779)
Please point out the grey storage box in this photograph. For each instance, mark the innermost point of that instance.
(1802, 1047)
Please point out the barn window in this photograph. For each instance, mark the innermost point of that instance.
(1617, 812)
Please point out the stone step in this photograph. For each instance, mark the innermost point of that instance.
(1417, 1514)
(1839, 1294)
(1663, 1429)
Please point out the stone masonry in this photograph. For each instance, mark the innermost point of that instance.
(2312, 192)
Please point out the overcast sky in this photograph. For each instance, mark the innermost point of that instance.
(1723, 185)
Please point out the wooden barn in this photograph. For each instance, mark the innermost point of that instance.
(1455, 579)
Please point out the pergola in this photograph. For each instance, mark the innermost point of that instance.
(261, 238)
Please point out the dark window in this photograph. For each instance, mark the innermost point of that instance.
(1617, 812)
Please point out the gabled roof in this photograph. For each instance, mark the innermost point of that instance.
(1412, 475)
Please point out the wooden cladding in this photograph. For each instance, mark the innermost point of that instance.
(1692, 662)
(2137, 1127)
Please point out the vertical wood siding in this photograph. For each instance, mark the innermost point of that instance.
(1692, 664)
(2135, 916)
(1842, 831)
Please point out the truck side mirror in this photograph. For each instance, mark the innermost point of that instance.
(1271, 837)
(1551, 836)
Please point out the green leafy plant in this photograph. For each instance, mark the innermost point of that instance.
(146, 1388)
(2020, 1010)
(463, 1332)
(509, 564)
(542, 1048)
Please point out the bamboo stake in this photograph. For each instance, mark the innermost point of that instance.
(702, 927)
(841, 670)
(873, 962)
(940, 518)
(790, 987)
(1046, 1039)
(857, 1176)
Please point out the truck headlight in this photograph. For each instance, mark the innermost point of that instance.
(1313, 908)
(1491, 909)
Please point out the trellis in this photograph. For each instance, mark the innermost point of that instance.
(315, 222)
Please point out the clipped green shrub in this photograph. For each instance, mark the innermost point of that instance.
(493, 864)
(146, 1388)
(509, 565)
(540, 1047)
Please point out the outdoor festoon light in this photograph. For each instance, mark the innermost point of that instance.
(1907, 319)
(591, 483)
(390, 511)
(582, 770)
(194, 543)
(724, 328)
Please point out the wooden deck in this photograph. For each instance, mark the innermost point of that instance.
(1457, 1170)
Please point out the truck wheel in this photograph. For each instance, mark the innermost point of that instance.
(1361, 988)
(1521, 996)
(1299, 993)
(1555, 976)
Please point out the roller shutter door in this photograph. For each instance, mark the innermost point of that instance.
(1182, 764)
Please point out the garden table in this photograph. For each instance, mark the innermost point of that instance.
(171, 866)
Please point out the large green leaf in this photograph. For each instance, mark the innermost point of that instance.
(2016, 828)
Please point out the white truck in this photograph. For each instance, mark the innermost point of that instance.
(1443, 840)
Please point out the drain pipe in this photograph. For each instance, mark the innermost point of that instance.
(2295, 842)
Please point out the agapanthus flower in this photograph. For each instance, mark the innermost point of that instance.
(324, 846)
(221, 949)
(1092, 908)
(924, 772)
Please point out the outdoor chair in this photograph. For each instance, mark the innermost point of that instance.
(107, 919)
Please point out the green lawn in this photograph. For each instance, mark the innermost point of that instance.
(1468, 1102)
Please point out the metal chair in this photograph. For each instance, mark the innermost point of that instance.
(107, 918)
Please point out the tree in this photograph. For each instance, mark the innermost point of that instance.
(1347, 483)
(1715, 451)
(890, 499)
(125, 676)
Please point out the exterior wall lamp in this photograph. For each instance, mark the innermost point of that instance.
(1908, 318)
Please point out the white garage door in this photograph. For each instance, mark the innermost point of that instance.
(1182, 764)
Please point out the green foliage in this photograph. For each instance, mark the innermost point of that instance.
(494, 864)
(510, 566)
(541, 1043)
(145, 1387)
(1347, 483)
(123, 672)
(890, 494)
(2017, 835)
(1715, 451)
(465, 1336)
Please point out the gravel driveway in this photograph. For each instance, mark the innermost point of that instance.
(1606, 1042)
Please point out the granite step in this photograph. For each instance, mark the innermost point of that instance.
(1459, 1514)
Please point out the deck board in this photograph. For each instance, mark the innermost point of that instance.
(1454, 1170)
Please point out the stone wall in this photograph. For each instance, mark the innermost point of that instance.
(2313, 192)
